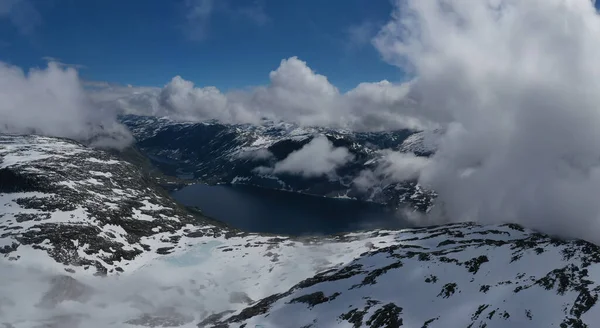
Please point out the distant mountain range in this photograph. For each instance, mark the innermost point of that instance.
(220, 153)
(69, 213)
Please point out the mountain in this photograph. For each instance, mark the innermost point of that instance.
(460, 275)
(213, 152)
(85, 208)
(90, 240)
(69, 213)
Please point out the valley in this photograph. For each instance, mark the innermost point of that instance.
(212, 153)
(299, 164)
(90, 240)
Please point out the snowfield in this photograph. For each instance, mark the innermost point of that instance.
(88, 240)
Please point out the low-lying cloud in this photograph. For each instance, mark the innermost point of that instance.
(392, 167)
(53, 102)
(516, 83)
(317, 158)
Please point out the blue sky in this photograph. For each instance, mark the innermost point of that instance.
(228, 43)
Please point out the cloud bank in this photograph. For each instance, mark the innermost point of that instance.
(295, 94)
(516, 84)
(53, 102)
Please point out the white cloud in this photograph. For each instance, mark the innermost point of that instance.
(516, 82)
(295, 94)
(181, 98)
(392, 167)
(58, 62)
(22, 14)
(53, 102)
(317, 158)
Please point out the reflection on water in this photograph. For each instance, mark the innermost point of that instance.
(270, 211)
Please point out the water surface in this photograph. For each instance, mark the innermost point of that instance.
(256, 209)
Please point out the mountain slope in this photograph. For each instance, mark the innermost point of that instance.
(68, 212)
(219, 153)
(71, 210)
(84, 207)
(459, 275)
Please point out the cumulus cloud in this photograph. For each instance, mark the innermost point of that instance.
(295, 94)
(516, 83)
(124, 99)
(317, 158)
(22, 14)
(53, 102)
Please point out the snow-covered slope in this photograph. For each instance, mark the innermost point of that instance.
(69, 212)
(451, 276)
(83, 207)
(220, 153)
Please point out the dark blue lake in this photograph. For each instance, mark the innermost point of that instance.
(256, 209)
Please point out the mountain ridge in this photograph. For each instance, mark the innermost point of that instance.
(69, 213)
(215, 153)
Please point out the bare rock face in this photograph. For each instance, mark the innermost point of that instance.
(65, 288)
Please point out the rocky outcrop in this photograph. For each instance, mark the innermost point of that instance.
(460, 275)
(84, 207)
